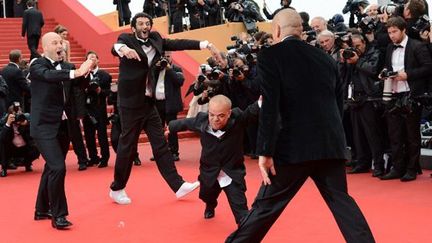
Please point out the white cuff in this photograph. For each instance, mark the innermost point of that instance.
(117, 47)
(259, 103)
(204, 44)
(72, 74)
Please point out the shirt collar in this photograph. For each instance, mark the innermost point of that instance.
(14, 64)
(404, 41)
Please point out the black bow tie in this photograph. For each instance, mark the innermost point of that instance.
(146, 42)
(397, 46)
(57, 63)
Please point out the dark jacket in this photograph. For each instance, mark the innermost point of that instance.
(174, 79)
(96, 103)
(418, 65)
(50, 89)
(224, 153)
(17, 83)
(124, 7)
(364, 73)
(134, 74)
(4, 91)
(301, 115)
(32, 22)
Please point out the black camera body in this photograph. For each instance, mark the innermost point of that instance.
(94, 84)
(163, 62)
(19, 116)
(385, 73)
(422, 24)
(341, 38)
(367, 25)
(349, 52)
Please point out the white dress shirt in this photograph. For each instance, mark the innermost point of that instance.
(398, 64)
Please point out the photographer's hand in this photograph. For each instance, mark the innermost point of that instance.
(401, 76)
(10, 120)
(129, 53)
(84, 69)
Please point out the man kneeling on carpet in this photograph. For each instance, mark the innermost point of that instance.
(221, 163)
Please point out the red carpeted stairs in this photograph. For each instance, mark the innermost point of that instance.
(10, 38)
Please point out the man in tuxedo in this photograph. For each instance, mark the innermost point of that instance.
(97, 118)
(168, 97)
(53, 88)
(300, 134)
(14, 76)
(221, 163)
(32, 24)
(139, 52)
(412, 61)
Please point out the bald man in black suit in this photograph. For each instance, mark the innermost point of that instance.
(300, 134)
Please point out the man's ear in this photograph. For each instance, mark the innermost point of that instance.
(278, 31)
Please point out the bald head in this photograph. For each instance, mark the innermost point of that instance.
(219, 111)
(52, 45)
(286, 22)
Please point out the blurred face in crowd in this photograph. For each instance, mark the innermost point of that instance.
(219, 112)
(168, 56)
(64, 35)
(372, 11)
(52, 45)
(326, 42)
(396, 35)
(94, 58)
(318, 25)
(359, 44)
(143, 28)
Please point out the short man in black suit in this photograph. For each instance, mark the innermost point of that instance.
(97, 118)
(221, 163)
(14, 76)
(139, 52)
(49, 111)
(168, 97)
(32, 24)
(412, 61)
(300, 134)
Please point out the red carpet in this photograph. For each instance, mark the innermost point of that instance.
(396, 212)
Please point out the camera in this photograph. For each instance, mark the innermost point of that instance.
(163, 63)
(422, 24)
(367, 25)
(342, 38)
(19, 116)
(393, 9)
(353, 6)
(94, 84)
(349, 52)
(385, 73)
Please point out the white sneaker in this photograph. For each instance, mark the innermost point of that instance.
(186, 188)
(120, 197)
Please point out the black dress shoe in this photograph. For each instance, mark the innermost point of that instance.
(28, 168)
(409, 176)
(60, 223)
(103, 164)
(12, 166)
(391, 175)
(377, 172)
(3, 173)
(358, 170)
(42, 215)
(82, 167)
(209, 213)
(176, 157)
(137, 161)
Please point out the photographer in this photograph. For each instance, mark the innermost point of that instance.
(244, 11)
(97, 119)
(411, 63)
(326, 40)
(360, 74)
(284, 4)
(412, 13)
(211, 12)
(168, 97)
(155, 8)
(15, 140)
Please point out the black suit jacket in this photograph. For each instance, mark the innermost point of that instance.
(418, 65)
(174, 79)
(32, 22)
(224, 153)
(134, 74)
(301, 115)
(17, 83)
(98, 105)
(48, 100)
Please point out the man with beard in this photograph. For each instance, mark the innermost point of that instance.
(139, 52)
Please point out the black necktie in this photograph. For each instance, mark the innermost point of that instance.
(397, 46)
(146, 43)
